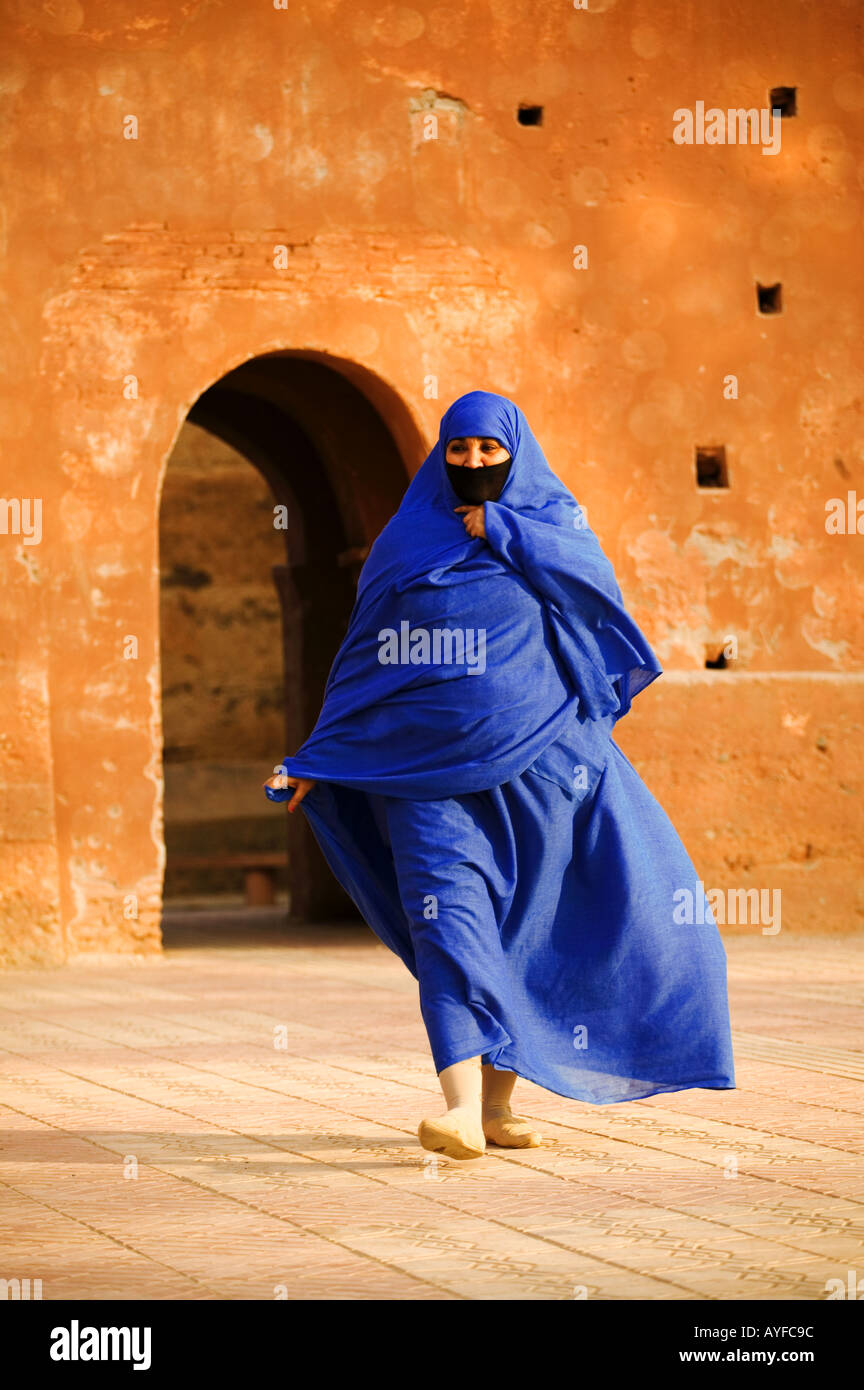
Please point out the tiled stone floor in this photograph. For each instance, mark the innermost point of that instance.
(237, 1120)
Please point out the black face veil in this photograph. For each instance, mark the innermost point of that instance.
(476, 485)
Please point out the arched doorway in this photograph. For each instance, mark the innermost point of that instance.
(284, 472)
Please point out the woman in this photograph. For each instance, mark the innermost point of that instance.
(465, 789)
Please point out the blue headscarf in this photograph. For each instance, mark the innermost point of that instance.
(559, 645)
(480, 414)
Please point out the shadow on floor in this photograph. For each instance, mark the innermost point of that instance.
(183, 928)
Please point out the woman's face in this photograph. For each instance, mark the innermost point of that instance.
(474, 452)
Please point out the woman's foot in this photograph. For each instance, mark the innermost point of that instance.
(500, 1125)
(510, 1131)
(458, 1134)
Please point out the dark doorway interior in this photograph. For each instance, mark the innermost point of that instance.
(253, 613)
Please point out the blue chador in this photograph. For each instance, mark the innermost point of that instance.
(471, 800)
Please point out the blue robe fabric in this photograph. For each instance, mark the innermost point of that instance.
(478, 811)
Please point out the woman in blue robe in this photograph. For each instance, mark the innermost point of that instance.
(464, 786)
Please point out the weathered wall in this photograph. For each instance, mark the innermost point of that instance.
(137, 272)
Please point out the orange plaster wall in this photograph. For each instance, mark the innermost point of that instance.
(437, 266)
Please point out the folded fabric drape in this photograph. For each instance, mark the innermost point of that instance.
(557, 640)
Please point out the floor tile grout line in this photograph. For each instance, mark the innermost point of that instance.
(371, 1076)
(220, 954)
(336, 1066)
(209, 1032)
(737, 1124)
(741, 1033)
(745, 972)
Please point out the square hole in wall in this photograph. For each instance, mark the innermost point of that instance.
(715, 657)
(711, 469)
(784, 100)
(769, 299)
(530, 115)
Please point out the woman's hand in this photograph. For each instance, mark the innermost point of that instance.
(280, 780)
(474, 520)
